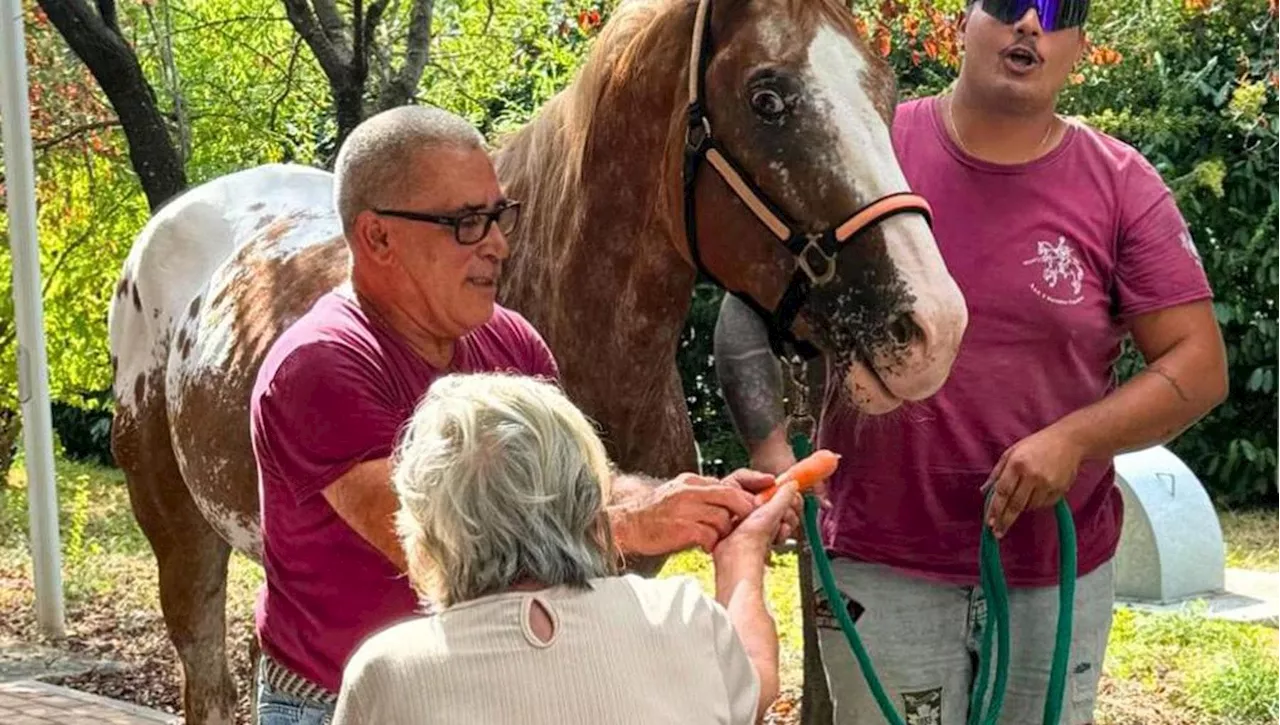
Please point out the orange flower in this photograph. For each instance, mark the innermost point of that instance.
(930, 48)
(588, 20)
(882, 41)
(911, 26)
(860, 25)
(1194, 6)
(1076, 78)
(1104, 56)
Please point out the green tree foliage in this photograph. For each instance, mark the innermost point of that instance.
(497, 62)
(239, 85)
(88, 206)
(237, 92)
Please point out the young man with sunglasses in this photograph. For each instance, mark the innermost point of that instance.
(426, 221)
(1064, 241)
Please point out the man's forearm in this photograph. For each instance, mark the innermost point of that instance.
(1155, 406)
(631, 487)
(364, 499)
(750, 378)
(630, 491)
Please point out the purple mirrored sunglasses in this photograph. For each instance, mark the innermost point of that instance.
(1053, 14)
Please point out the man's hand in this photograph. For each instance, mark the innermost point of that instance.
(687, 511)
(756, 482)
(1033, 473)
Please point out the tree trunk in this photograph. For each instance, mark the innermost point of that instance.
(10, 429)
(348, 101)
(815, 702)
(807, 385)
(95, 37)
(343, 50)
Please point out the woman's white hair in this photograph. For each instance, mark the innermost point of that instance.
(501, 480)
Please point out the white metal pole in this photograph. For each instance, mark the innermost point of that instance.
(33, 373)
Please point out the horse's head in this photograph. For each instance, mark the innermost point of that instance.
(796, 173)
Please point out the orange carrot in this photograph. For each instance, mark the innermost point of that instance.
(806, 474)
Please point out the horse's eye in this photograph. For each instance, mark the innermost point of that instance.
(768, 104)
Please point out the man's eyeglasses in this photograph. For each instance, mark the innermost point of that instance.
(470, 227)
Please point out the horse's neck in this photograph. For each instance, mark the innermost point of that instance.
(595, 266)
(597, 269)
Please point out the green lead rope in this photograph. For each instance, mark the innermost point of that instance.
(997, 594)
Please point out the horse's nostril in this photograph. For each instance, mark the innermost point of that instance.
(904, 330)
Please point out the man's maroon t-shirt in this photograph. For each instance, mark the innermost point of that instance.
(335, 391)
(1055, 258)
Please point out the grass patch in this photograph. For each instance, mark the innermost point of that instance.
(1222, 672)
(1253, 540)
(102, 545)
(104, 553)
(782, 591)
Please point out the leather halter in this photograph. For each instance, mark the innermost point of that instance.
(815, 252)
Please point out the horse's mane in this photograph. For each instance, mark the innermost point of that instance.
(541, 163)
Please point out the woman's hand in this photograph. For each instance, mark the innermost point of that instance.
(742, 553)
(757, 483)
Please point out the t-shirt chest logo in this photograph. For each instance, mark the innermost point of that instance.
(1061, 278)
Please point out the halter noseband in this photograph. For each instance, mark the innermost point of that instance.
(815, 252)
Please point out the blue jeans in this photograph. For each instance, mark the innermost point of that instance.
(277, 708)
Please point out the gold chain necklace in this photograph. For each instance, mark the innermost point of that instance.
(955, 130)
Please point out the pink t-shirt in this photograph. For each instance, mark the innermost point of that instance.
(1054, 258)
(334, 391)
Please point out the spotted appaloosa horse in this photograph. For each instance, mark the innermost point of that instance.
(601, 264)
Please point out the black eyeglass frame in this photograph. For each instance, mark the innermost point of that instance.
(456, 220)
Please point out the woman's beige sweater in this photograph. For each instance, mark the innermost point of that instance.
(628, 651)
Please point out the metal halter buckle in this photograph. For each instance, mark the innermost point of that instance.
(698, 133)
(802, 259)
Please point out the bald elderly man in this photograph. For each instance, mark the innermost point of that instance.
(426, 222)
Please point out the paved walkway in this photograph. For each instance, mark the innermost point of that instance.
(1250, 597)
(29, 702)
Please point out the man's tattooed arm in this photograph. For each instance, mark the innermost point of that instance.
(751, 381)
(1185, 377)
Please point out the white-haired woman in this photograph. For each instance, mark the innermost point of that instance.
(503, 483)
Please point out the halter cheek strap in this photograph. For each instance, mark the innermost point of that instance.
(816, 253)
